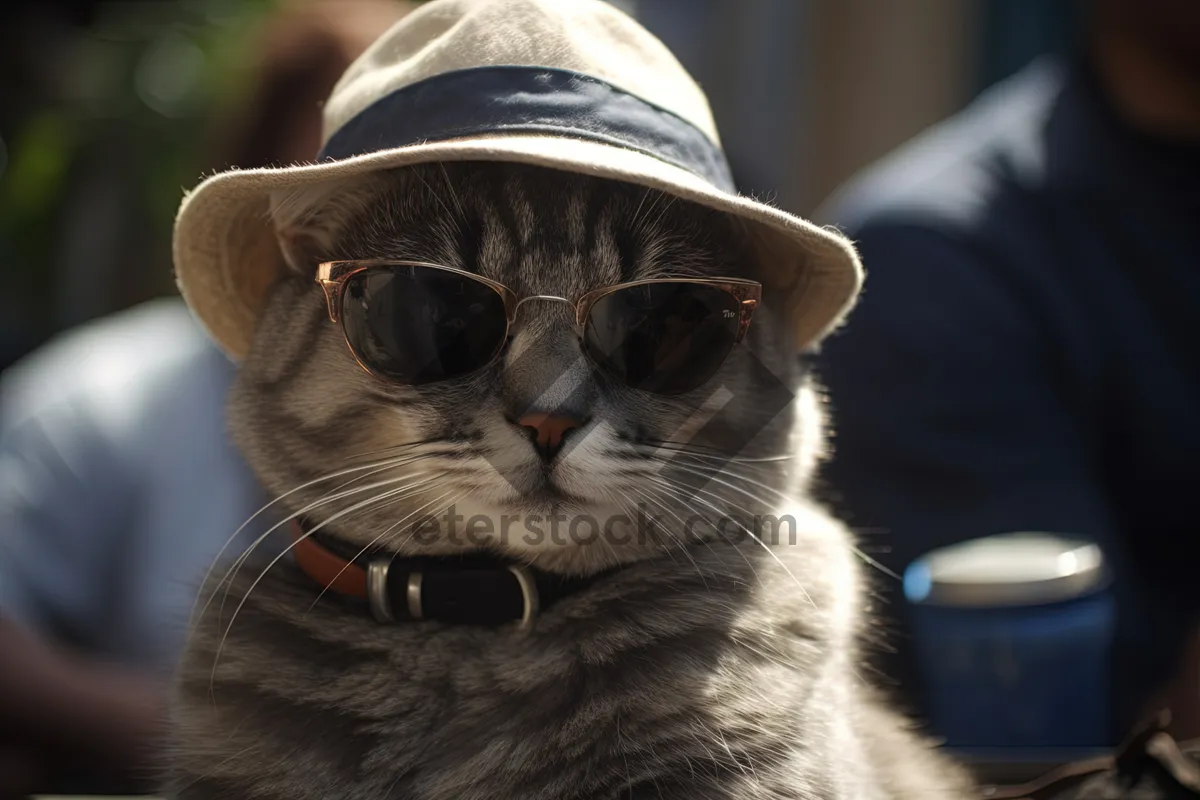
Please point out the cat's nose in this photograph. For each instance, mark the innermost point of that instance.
(548, 431)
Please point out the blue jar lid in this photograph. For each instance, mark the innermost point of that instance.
(1009, 569)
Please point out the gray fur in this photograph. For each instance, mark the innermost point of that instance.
(709, 667)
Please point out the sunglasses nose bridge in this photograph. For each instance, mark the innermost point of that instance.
(547, 297)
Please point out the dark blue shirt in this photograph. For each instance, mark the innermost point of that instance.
(1026, 353)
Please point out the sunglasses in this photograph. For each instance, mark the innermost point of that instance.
(416, 323)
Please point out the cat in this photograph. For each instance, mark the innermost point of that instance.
(705, 662)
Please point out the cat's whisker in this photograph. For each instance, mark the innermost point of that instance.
(683, 545)
(632, 514)
(337, 493)
(395, 447)
(609, 497)
(782, 496)
(666, 485)
(667, 504)
(416, 489)
(235, 567)
(712, 453)
(612, 553)
(306, 534)
(751, 534)
(400, 546)
(720, 458)
(716, 476)
(399, 462)
(714, 473)
(231, 574)
(381, 465)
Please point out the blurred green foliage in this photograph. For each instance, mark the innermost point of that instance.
(130, 104)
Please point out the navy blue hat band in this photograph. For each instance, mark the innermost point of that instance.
(530, 100)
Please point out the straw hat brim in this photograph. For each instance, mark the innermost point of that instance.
(227, 259)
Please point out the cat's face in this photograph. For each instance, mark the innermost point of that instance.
(448, 466)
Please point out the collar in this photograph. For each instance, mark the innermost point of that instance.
(468, 589)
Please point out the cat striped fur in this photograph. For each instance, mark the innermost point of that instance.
(714, 665)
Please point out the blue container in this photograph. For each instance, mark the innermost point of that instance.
(1013, 634)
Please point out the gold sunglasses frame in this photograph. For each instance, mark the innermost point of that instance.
(333, 277)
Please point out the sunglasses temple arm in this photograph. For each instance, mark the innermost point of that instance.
(747, 313)
(331, 290)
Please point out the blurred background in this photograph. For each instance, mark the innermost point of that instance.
(107, 106)
(112, 109)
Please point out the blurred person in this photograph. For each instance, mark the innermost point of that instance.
(118, 483)
(1025, 355)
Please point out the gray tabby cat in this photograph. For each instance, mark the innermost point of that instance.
(712, 664)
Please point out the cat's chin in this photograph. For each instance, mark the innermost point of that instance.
(548, 499)
(552, 530)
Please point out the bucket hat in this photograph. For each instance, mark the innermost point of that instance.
(574, 85)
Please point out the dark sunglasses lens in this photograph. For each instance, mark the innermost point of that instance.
(663, 337)
(418, 325)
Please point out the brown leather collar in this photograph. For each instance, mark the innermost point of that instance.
(468, 589)
(329, 570)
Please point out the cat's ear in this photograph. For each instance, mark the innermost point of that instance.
(309, 222)
(304, 247)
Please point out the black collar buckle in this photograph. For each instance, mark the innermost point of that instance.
(383, 596)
